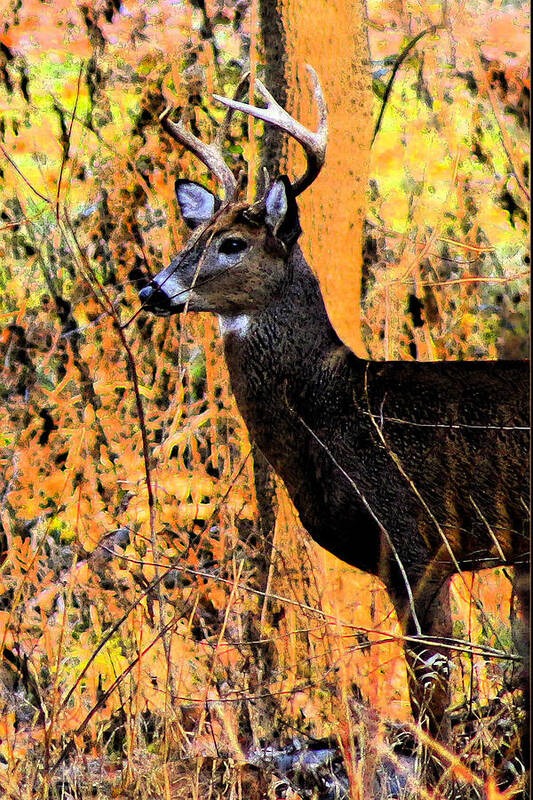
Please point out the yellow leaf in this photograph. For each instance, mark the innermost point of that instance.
(146, 391)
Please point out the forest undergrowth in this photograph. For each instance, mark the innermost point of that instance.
(142, 654)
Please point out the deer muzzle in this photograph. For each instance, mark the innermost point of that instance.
(156, 300)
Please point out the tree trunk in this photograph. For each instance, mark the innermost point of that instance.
(332, 240)
(333, 209)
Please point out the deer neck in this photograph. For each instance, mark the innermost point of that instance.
(284, 344)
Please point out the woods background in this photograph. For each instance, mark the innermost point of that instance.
(146, 634)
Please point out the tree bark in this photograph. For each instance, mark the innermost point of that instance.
(333, 209)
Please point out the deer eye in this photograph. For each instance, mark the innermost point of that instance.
(232, 245)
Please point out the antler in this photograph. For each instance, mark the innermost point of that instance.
(314, 144)
(208, 154)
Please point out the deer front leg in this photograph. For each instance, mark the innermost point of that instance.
(428, 665)
(428, 668)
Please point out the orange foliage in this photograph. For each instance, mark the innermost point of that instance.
(129, 591)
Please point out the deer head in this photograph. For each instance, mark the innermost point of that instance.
(236, 260)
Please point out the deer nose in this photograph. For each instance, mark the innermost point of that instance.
(152, 296)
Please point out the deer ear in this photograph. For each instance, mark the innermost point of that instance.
(282, 212)
(197, 205)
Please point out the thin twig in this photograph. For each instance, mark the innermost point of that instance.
(396, 66)
(504, 136)
(26, 181)
(376, 520)
(138, 401)
(152, 585)
(395, 458)
(107, 694)
(66, 146)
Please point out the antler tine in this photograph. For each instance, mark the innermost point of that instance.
(208, 154)
(314, 144)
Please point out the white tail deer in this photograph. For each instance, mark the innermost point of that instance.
(411, 471)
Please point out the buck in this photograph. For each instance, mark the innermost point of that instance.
(410, 471)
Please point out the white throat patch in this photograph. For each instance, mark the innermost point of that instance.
(238, 325)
